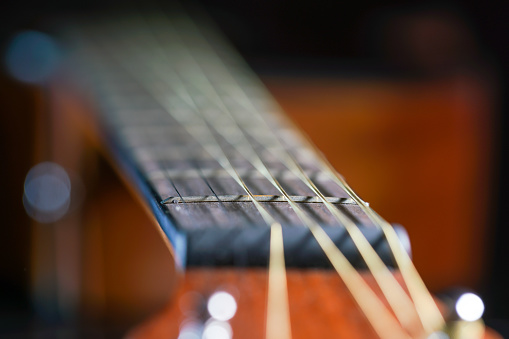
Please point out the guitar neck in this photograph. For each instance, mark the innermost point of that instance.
(200, 137)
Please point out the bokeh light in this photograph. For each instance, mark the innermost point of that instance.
(32, 57)
(191, 330)
(438, 335)
(470, 307)
(47, 192)
(222, 306)
(217, 330)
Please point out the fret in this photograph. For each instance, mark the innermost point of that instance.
(245, 198)
(318, 176)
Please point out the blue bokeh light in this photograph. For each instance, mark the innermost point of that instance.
(47, 192)
(32, 57)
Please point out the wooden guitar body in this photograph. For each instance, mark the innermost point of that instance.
(320, 305)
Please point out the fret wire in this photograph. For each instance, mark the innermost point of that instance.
(199, 170)
(398, 299)
(261, 198)
(197, 167)
(153, 142)
(220, 172)
(258, 163)
(149, 136)
(208, 184)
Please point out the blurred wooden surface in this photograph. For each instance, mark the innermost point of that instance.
(320, 305)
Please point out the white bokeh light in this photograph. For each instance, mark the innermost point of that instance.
(469, 307)
(217, 330)
(222, 306)
(191, 330)
(438, 335)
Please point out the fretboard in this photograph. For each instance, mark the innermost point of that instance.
(191, 124)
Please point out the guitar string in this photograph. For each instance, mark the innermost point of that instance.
(278, 323)
(196, 166)
(400, 302)
(301, 215)
(214, 152)
(278, 317)
(396, 296)
(384, 329)
(426, 306)
(262, 168)
(428, 311)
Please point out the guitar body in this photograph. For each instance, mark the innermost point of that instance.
(320, 305)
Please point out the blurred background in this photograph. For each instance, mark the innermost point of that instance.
(407, 99)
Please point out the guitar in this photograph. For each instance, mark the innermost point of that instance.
(235, 188)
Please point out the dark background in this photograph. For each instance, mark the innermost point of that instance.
(313, 37)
